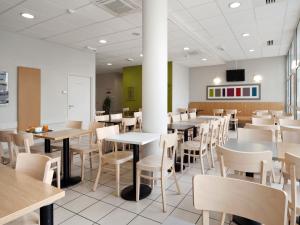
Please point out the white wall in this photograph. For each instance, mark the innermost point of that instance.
(56, 63)
(109, 82)
(180, 89)
(272, 70)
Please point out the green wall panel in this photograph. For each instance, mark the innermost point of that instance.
(132, 87)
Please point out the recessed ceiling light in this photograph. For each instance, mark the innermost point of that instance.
(245, 34)
(130, 59)
(251, 50)
(204, 59)
(141, 55)
(186, 48)
(71, 11)
(234, 5)
(103, 41)
(27, 15)
(109, 64)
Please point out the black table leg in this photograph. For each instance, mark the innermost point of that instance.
(195, 129)
(46, 215)
(67, 180)
(129, 193)
(241, 220)
(47, 146)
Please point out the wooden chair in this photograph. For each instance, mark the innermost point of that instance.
(213, 139)
(192, 110)
(254, 135)
(159, 165)
(276, 137)
(184, 117)
(182, 110)
(276, 113)
(290, 135)
(86, 149)
(261, 112)
(197, 148)
(192, 115)
(233, 117)
(23, 142)
(176, 118)
(115, 158)
(5, 138)
(139, 118)
(222, 122)
(117, 116)
(218, 112)
(262, 121)
(226, 128)
(237, 197)
(128, 123)
(292, 173)
(99, 113)
(38, 167)
(102, 118)
(289, 122)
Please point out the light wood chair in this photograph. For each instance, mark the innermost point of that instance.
(197, 148)
(261, 112)
(176, 118)
(115, 158)
(184, 117)
(139, 118)
(128, 123)
(159, 165)
(99, 113)
(274, 128)
(192, 115)
(182, 110)
(102, 118)
(226, 128)
(5, 138)
(290, 135)
(233, 117)
(262, 121)
(222, 122)
(86, 149)
(218, 112)
(117, 116)
(213, 139)
(292, 173)
(276, 113)
(254, 135)
(192, 110)
(241, 198)
(22, 144)
(289, 122)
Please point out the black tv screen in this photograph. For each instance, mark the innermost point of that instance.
(235, 75)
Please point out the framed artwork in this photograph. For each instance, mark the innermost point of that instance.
(4, 95)
(234, 92)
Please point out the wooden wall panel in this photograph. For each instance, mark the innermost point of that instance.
(29, 97)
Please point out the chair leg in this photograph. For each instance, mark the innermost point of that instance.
(98, 176)
(82, 156)
(208, 161)
(181, 160)
(118, 179)
(201, 164)
(176, 181)
(138, 184)
(189, 159)
(293, 217)
(58, 169)
(223, 218)
(212, 156)
(163, 192)
(91, 163)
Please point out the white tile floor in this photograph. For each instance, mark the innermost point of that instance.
(83, 206)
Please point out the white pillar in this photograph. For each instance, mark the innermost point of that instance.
(155, 69)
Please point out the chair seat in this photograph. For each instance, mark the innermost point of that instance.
(29, 219)
(117, 157)
(86, 148)
(191, 145)
(153, 163)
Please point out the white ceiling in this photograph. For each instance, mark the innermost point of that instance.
(204, 26)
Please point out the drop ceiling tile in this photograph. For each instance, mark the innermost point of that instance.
(70, 4)
(204, 11)
(270, 51)
(224, 6)
(192, 3)
(174, 5)
(7, 4)
(183, 16)
(241, 17)
(94, 13)
(271, 11)
(135, 19)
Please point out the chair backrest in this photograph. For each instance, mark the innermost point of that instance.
(184, 116)
(22, 140)
(276, 113)
(252, 162)
(74, 124)
(192, 110)
(274, 128)
(125, 109)
(169, 144)
(237, 197)
(218, 112)
(102, 118)
(253, 135)
(36, 166)
(103, 133)
(261, 112)
(222, 122)
(128, 122)
(137, 114)
(92, 128)
(290, 135)
(182, 110)
(193, 115)
(175, 118)
(6, 137)
(289, 122)
(232, 112)
(213, 130)
(169, 119)
(204, 136)
(262, 121)
(116, 116)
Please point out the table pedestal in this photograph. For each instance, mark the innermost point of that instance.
(46, 215)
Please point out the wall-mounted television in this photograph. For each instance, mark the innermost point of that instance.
(235, 75)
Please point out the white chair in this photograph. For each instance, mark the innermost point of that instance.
(99, 113)
(159, 165)
(115, 158)
(276, 113)
(192, 110)
(226, 128)
(254, 135)
(38, 167)
(192, 115)
(102, 118)
(176, 118)
(197, 148)
(128, 124)
(289, 122)
(222, 122)
(262, 121)
(237, 197)
(233, 117)
(290, 135)
(117, 116)
(218, 112)
(139, 118)
(274, 128)
(261, 112)
(182, 110)
(213, 139)
(184, 117)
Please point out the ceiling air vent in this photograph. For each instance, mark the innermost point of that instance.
(270, 1)
(270, 42)
(118, 7)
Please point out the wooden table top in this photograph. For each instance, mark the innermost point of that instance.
(135, 138)
(62, 134)
(21, 194)
(179, 126)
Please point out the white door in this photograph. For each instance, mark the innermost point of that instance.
(79, 99)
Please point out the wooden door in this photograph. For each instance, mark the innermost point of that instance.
(29, 97)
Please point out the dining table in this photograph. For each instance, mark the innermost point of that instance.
(136, 139)
(21, 194)
(65, 136)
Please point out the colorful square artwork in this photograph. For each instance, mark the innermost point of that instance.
(234, 92)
